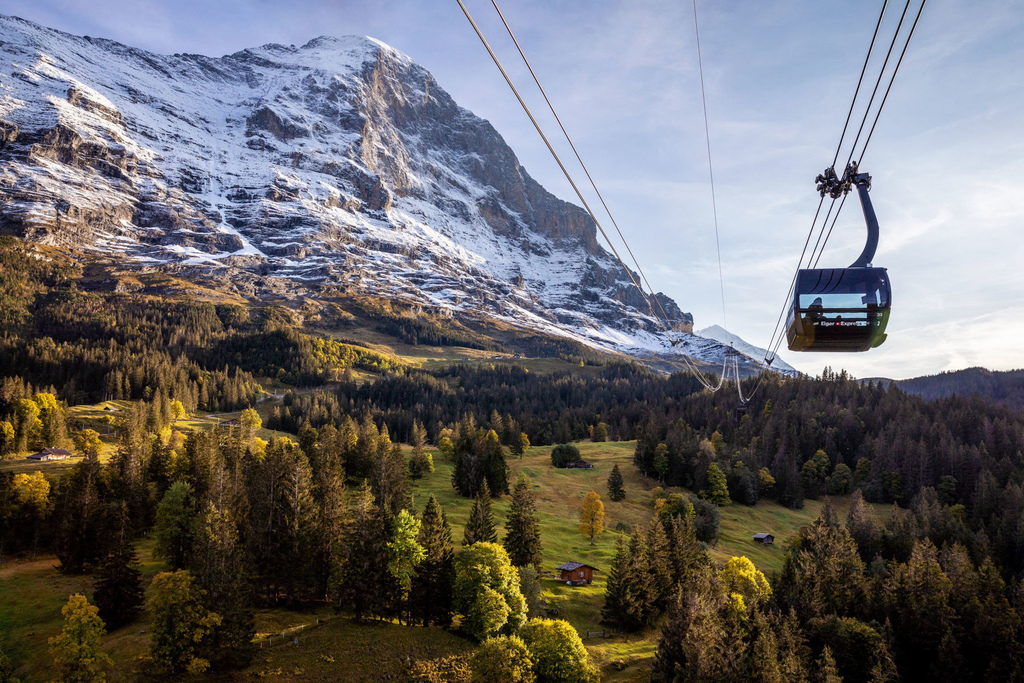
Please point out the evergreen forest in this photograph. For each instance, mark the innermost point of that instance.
(308, 499)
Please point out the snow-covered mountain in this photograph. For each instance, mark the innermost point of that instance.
(719, 334)
(339, 164)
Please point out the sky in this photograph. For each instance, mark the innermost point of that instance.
(947, 158)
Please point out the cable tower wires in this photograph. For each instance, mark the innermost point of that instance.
(652, 300)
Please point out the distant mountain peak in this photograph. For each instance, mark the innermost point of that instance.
(718, 333)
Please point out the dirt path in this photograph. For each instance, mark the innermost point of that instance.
(45, 563)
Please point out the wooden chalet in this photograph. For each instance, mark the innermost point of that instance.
(50, 454)
(579, 465)
(576, 573)
(764, 539)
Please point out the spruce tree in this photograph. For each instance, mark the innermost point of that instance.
(420, 462)
(615, 489)
(640, 608)
(522, 528)
(616, 592)
(480, 527)
(360, 587)
(119, 594)
(221, 571)
(690, 562)
(661, 565)
(431, 594)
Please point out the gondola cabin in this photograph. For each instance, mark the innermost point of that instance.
(839, 309)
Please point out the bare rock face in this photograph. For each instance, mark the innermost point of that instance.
(340, 163)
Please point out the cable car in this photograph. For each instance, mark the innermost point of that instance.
(842, 309)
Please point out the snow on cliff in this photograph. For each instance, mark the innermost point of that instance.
(340, 163)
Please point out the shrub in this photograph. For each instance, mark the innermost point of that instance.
(503, 659)
(564, 453)
(558, 652)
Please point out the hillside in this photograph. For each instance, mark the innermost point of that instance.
(1003, 387)
(33, 615)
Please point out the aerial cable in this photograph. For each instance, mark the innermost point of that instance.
(568, 139)
(856, 92)
(711, 169)
(838, 211)
(576, 189)
(593, 184)
(878, 82)
(891, 80)
(793, 283)
(885, 97)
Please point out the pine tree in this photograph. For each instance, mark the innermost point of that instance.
(78, 517)
(390, 477)
(119, 594)
(175, 525)
(480, 526)
(221, 570)
(691, 563)
(495, 463)
(641, 607)
(615, 489)
(431, 594)
(522, 528)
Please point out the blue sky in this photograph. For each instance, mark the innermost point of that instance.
(947, 157)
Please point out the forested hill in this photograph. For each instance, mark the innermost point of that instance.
(1005, 387)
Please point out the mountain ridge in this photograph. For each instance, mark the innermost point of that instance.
(282, 170)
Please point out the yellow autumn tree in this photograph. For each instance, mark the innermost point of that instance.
(591, 516)
(32, 489)
(87, 442)
(741, 577)
(76, 651)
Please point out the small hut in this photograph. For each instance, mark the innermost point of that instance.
(50, 454)
(764, 539)
(576, 573)
(579, 465)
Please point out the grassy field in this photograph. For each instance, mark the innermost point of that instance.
(34, 592)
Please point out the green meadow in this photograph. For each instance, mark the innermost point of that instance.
(35, 592)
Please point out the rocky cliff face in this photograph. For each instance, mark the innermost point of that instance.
(339, 163)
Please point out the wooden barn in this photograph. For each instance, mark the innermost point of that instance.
(764, 539)
(50, 454)
(579, 465)
(576, 573)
